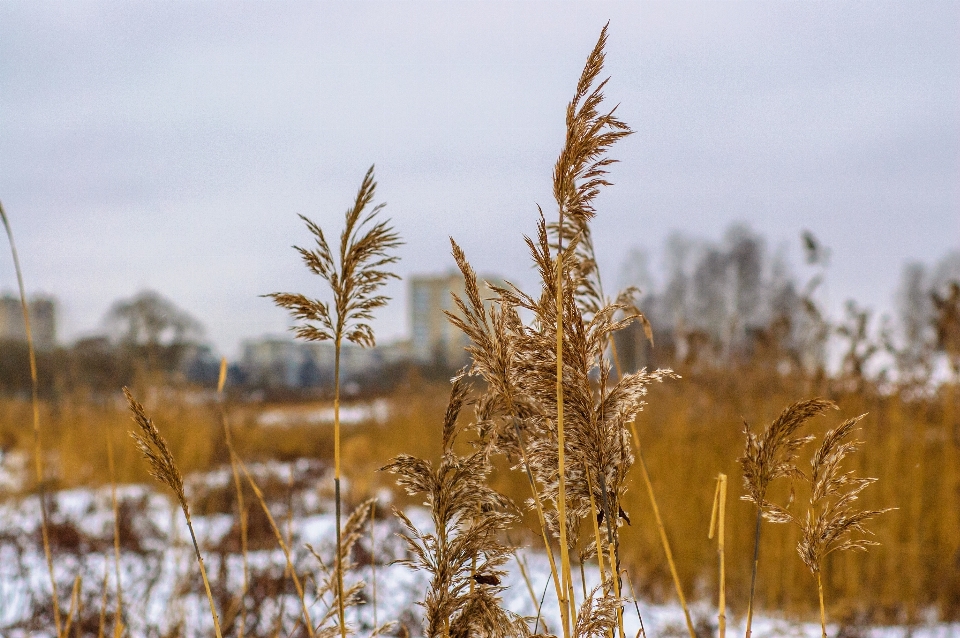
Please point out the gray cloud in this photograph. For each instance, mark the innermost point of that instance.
(171, 145)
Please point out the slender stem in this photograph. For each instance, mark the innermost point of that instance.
(612, 543)
(35, 400)
(537, 621)
(102, 627)
(203, 571)
(561, 467)
(823, 615)
(613, 546)
(526, 576)
(594, 512)
(721, 543)
(74, 601)
(663, 532)
(753, 575)
(373, 561)
(239, 487)
(540, 515)
(636, 605)
(118, 614)
(473, 572)
(653, 503)
(336, 480)
(717, 518)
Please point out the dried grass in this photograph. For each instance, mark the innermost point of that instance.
(35, 404)
(831, 520)
(354, 277)
(163, 468)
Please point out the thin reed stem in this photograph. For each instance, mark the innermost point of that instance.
(565, 605)
(203, 569)
(373, 559)
(636, 605)
(595, 514)
(102, 627)
(653, 503)
(540, 515)
(35, 401)
(663, 532)
(241, 508)
(823, 614)
(118, 612)
(336, 480)
(583, 581)
(74, 602)
(539, 620)
(753, 573)
(717, 521)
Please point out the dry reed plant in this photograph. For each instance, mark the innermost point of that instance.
(35, 404)
(769, 456)
(549, 403)
(354, 276)
(463, 556)
(831, 518)
(578, 175)
(163, 468)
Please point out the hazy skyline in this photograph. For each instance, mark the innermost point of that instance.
(171, 145)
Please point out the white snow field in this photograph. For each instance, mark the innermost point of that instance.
(162, 590)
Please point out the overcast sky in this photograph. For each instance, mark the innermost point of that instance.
(171, 145)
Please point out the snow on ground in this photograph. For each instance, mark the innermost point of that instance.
(161, 587)
(377, 411)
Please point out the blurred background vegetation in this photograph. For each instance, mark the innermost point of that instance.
(747, 335)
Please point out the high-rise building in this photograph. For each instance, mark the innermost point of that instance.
(274, 362)
(43, 321)
(434, 340)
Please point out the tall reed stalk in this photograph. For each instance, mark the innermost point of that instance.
(493, 346)
(579, 174)
(717, 520)
(238, 486)
(353, 275)
(35, 402)
(547, 401)
(118, 612)
(662, 531)
(565, 602)
(162, 467)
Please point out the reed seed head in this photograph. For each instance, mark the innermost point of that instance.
(160, 461)
(772, 453)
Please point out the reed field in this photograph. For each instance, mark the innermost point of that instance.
(581, 444)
